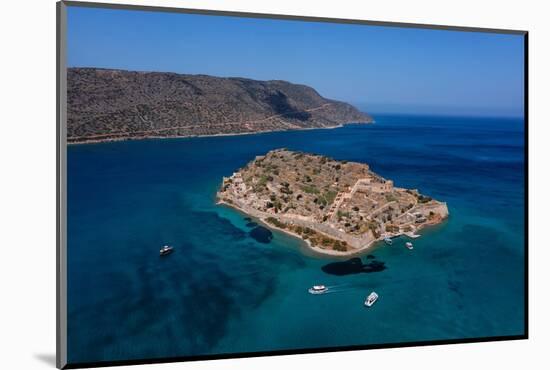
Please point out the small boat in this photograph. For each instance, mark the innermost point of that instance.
(409, 245)
(166, 250)
(371, 299)
(318, 289)
(388, 241)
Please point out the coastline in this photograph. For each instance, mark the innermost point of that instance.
(325, 252)
(130, 138)
(327, 215)
(330, 252)
(443, 263)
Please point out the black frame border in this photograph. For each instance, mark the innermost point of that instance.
(61, 145)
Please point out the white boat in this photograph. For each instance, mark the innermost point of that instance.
(388, 241)
(318, 289)
(371, 299)
(166, 250)
(409, 245)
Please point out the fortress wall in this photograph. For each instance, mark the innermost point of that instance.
(354, 241)
(437, 208)
(379, 187)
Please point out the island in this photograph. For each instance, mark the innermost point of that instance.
(337, 207)
(110, 104)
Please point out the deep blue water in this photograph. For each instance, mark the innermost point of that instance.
(231, 287)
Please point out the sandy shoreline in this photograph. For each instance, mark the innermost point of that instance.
(329, 252)
(129, 138)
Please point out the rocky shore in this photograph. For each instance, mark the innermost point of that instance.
(336, 207)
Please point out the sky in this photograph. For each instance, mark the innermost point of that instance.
(379, 69)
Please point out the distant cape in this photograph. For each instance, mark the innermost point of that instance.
(106, 104)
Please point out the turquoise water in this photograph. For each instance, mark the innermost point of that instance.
(223, 291)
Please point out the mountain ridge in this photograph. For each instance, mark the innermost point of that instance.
(111, 104)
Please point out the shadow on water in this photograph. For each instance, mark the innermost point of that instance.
(261, 234)
(353, 266)
(150, 303)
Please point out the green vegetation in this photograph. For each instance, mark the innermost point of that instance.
(285, 190)
(424, 198)
(262, 181)
(392, 228)
(310, 189)
(276, 223)
(315, 238)
(329, 196)
(373, 227)
(339, 246)
(309, 185)
(341, 214)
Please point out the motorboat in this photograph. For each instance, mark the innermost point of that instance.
(371, 298)
(166, 250)
(318, 289)
(409, 245)
(388, 241)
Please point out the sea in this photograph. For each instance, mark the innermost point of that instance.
(232, 286)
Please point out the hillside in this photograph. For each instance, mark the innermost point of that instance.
(115, 105)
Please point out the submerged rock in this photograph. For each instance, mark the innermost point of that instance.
(261, 234)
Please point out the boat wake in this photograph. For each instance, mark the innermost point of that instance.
(365, 285)
(340, 288)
